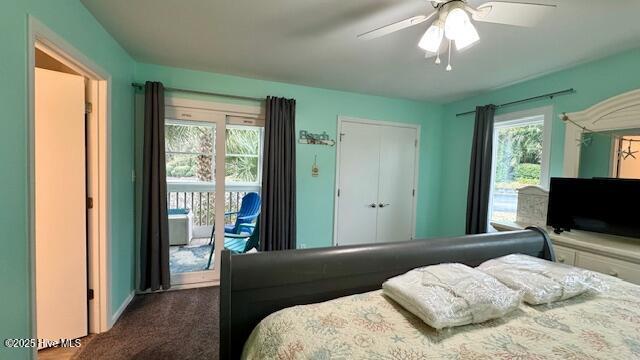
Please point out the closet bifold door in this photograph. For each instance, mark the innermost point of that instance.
(396, 183)
(358, 180)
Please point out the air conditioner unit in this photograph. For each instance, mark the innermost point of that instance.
(180, 228)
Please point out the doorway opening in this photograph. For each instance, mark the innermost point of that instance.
(68, 179)
(626, 161)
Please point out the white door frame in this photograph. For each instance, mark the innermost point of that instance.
(98, 171)
(336, 203)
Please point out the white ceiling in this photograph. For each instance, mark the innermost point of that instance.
(313, 42)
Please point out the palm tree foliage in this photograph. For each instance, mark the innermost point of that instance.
(190, 152)
(243, 147)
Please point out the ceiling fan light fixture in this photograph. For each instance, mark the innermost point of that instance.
(455, 24)
(453, 21)
(432, 38)
(467, 37)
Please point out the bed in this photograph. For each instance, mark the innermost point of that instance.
(326, 304)
(372, 326)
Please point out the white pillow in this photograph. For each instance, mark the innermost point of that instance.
(541, 281)
(449, 295)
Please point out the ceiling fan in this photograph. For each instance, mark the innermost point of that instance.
(453, 25)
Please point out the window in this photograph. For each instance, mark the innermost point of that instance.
(190, 153)
(243, 148)
(520, 158)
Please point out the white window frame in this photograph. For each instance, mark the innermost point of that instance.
(520, 118)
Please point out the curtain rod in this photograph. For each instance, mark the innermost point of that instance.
(141, 86)
(550, 96)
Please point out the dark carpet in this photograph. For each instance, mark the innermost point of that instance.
(179, 324)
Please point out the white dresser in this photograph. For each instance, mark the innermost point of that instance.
(608, 254)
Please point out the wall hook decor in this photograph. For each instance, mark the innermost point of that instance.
(315, 170)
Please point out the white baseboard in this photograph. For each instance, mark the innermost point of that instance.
(121, 309)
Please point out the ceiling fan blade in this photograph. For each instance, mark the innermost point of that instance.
(388, 29)
(512, 13)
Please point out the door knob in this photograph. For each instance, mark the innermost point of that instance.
(383, 205)
(372, 205)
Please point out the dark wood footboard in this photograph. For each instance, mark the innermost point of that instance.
(253, 286)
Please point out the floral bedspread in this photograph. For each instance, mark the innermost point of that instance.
(372, 326)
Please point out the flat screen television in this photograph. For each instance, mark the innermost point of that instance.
(610, 206)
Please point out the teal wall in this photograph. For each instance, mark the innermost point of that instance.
(69, 19)
(317, 111)
(594, 82)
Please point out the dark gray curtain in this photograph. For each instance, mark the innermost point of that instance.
(154, 241)
(278, 214)
(480, 171)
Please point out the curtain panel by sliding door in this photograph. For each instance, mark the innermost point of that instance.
(480, 171)
(154, 242)
(278, 214)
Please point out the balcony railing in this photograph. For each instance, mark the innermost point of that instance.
(202, 203)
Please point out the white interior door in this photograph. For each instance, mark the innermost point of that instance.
(60, 206)
(358, 184)
(398, 146)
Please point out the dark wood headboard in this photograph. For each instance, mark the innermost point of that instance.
(253, 286)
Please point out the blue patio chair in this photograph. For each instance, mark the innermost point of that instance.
(245, 217)
(249, 211)
(239, 243)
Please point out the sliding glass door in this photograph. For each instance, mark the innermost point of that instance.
(195, 164)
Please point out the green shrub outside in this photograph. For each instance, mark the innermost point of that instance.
(528, 172)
